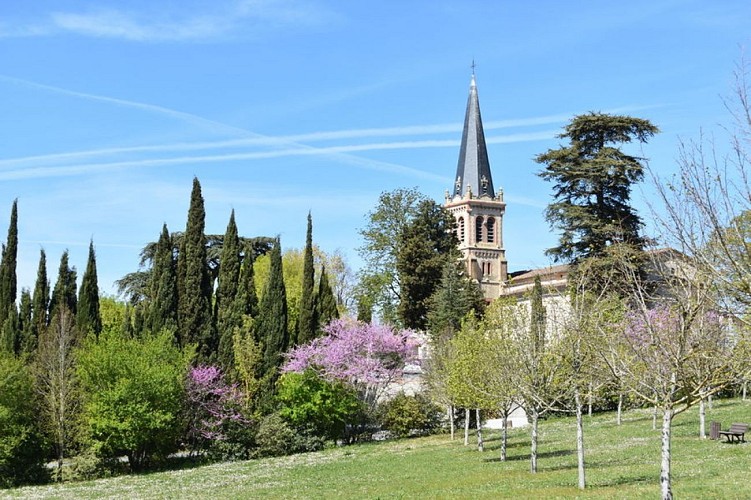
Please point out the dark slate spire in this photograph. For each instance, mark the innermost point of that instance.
(473, 170)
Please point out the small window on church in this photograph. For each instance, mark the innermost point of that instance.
(478, 229)
(460, 228)
(491, 230)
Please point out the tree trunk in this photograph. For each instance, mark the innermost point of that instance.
(504, 435)
(665, 486)
(620, 409)
(589, 400)
(745, 384)
(654, 418)
(711, 402)
(466, 426)
(580, 440)
(480, 443)
(702, 419)
(451, 421)
(533, 449)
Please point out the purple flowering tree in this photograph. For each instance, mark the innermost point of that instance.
(211, 405)
(366, 356)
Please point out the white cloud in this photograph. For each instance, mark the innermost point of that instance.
(159, 23)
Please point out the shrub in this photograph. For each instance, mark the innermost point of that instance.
(404, 415)
(21, 455)
(276, 438)
(133, 392)
(313, 405)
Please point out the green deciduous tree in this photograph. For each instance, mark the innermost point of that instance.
(21, 443)
(379, 279)
(88, 318)
(194, 298)
(133, 393)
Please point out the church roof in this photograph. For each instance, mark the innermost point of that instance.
(473, 169)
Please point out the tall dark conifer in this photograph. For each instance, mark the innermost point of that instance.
(325, 307)
(163, 306)
(64, 293)
(271, 327)
(246, 301)
(88, 318)
(41, 299)
(538, 320)
(28, 340)
(10, 331)
(307, 325)
(226, 314)
(8, 266)
(194, 305)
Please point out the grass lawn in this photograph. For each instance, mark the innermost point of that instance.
(622, 462)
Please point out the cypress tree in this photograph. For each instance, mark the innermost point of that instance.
(163, 306)
(454, 298)
(326, 309)
(246, 301)
(41, 299)
(10, 333)
(226, 315)
(307, 325)
(538, 317)
(28, 340)
(64, 293)
(271, 328)
(88, 317)
(8, 266)
(194, 305)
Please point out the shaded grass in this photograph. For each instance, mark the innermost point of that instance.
(622, 462)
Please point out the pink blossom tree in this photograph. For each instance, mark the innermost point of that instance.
(211, 405)
(366, 356)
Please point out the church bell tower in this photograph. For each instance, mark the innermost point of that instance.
(477, 207)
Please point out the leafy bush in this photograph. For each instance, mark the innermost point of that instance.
(314, 405)
(403, 415)
(21, 455)
(133, 392)
(276, 438)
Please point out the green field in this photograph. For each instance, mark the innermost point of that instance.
(622, 462)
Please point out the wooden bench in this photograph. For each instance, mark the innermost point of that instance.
(735, 433)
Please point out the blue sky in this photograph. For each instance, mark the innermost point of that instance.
(109, 109)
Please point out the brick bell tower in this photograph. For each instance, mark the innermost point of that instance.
(477, 207)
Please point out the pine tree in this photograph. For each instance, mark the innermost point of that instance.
(41, 298)
(271, 327)
(88, 318)
(8, 266)
(64, 293)
(426, 243)
(194, 305)
(592, 185)
(307, 325)
(163, 306)
(27, 340)
(326, 309)
(227, 316)
(454, 298)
